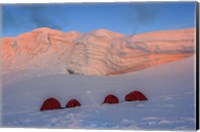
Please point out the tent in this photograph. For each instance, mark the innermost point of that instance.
(50, 104)
(111, 99)
(135, 95)
(73, 103)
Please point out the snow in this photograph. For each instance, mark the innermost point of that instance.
(169, 88)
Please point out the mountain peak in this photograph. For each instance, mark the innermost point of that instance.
(46, 29)
(43, 29)
(104, 32)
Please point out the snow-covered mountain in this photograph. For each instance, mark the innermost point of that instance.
(35, 63)
(101, 52)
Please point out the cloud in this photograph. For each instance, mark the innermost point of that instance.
(41, 17)
(145, 14)
(33, 16)
(141, 14)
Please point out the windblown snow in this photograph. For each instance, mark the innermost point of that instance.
(169, 88)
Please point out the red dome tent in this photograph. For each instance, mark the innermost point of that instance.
(73, 103)
(111, 99)
(135, 95)
(50, 104)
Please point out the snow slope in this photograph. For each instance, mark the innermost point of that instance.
(169, 88)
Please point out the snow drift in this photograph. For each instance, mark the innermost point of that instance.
(169, 88)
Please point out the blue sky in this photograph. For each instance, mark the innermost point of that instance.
(126, 18)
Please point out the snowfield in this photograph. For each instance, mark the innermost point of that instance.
(170, 89)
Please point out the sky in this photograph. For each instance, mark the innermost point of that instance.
(126, 18)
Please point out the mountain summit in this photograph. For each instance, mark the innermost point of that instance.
(101, 52)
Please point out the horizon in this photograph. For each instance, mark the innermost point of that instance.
(96, 30)
(124, 18)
